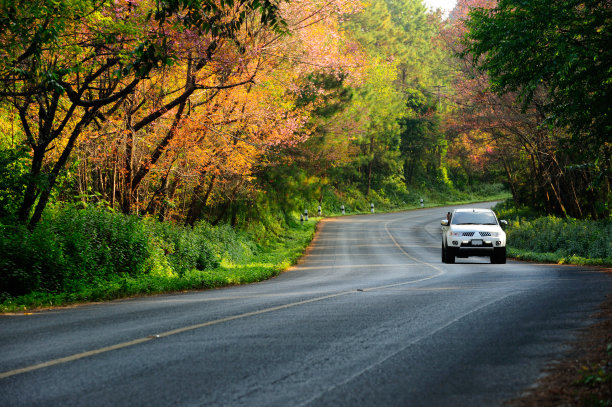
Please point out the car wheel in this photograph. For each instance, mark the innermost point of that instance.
(450, 255)
(499, 255)
(443, 254)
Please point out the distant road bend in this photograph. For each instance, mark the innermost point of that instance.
(371, 316)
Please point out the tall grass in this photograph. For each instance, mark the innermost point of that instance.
(72, 247)
(560, 240)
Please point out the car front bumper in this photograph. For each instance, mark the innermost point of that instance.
(475, 247)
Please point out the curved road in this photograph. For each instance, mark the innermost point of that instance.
(371, 316)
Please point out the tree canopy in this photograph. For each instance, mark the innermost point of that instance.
(66, 64)
(191, 110)
(561, 47)
(527, 86)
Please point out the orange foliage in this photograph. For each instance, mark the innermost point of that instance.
(240, 112)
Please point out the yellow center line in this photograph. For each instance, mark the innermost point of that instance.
(354, 266)
(71, 358)
(128, 344)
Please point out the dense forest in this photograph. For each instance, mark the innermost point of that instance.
(198, 110)
(228, 112)
(193, 110)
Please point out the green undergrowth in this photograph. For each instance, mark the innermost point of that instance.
(552, 239)
(77, 255)
(556, 257)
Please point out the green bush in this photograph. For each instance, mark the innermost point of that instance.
(564, 240)
(202, 247)
(507, 210)
(91, 254)
(72, 248)
(185, 248)
(228, 243)
(101, 243)
(30, 260)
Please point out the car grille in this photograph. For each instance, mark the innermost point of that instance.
(471, 234)
(480, 246)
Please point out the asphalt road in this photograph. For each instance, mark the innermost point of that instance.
(371, 316)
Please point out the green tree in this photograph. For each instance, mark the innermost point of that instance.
(401, 37)
(417, 48)
(560, 47)
(402, 31)
(423, 143)
(380, 105)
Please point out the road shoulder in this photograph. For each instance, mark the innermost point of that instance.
(584, 376)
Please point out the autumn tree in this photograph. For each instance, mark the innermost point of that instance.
(232, 127)
(65, 64)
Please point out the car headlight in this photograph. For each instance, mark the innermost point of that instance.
(455, 233)
(494, 234)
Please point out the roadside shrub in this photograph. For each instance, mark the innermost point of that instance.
(488, 190)
(566, 237)
(186, 248)
(227, 243)
(71, 248)
(507, 210)
(100, 243)
(30, 260)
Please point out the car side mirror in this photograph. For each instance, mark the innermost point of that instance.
(504, 223)
(444, 222)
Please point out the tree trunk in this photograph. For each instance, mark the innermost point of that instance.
(170, 191)
(226, 205)
(128, 196)
(31, 190)
(511, 182)
(59, 166)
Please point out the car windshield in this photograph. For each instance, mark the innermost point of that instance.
(474, 218)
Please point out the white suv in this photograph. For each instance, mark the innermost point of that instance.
(473, 232)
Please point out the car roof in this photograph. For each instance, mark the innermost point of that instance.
(472, 210)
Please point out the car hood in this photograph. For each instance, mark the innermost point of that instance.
(476, 228)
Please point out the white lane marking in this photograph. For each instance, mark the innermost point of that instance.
(440, 271)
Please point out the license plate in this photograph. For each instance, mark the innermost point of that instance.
(476, 242)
